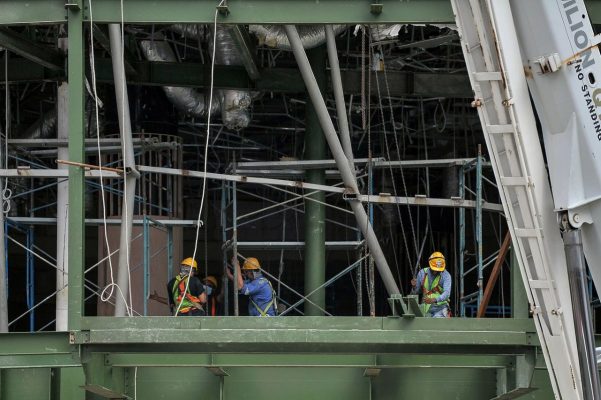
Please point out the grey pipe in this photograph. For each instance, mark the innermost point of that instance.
(345, 136)
(127, 210)
(340, 158)
(585, 339)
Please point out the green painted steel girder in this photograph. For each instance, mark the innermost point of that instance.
(18, 44)
(264, 12)
(281, 80)
(47, 349)
(14, 12)
(309, 360)
(309, 334)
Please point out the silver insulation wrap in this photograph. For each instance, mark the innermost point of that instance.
(275, 35)
(234, 103)
(187, 100)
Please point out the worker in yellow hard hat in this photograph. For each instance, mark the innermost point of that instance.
(251, 283)
(214, 298)
(434, 286)
(185, 292)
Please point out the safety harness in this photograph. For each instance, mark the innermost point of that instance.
(431, 291)
(189, 302)
(272, 303)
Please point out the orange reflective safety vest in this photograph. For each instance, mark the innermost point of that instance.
(431, 290)
(179, 288)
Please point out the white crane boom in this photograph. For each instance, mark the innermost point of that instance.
(546, 49)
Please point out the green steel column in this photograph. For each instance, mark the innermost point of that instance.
(71, 381)
(76, 154)
(315, 213)
(519, 299)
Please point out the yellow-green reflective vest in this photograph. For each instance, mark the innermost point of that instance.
(431, 291)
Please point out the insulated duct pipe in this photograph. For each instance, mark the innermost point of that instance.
(187, 100)
(341, 161)
(234, 103)
(275, 35)
(131, 174)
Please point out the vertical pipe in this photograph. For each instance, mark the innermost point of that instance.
(370, 261)
(359, 281)
(315, 213)
(169, 252)
(585, 340)
(461, 172)
(30, 278)
(76, 233)
(235, 238)
(479, 224)
(225, 289)
(146, 262)
(3, 269)
(341, 160)
(127, 211)
(62, 202)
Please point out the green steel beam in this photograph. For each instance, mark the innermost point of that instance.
(47, 349)
(15, 12)
(310, 334)
(38, 361)
(308, 360)
(282, 80)
(76, 254)
(23, 70)
(315, 210)
(263, 11)
(247, 50)
(18, 44)
(70, 381)
(40, 343)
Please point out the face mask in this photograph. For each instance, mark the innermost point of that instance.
(208, 289)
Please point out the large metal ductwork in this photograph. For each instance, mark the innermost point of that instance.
(234, 103)
(275, 35)
(45, 126)
(187, 100)
(190, 31)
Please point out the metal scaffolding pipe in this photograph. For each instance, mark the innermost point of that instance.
(315, 211)
(345, 136)
(3, 277)
(127, 210)
(341, 160)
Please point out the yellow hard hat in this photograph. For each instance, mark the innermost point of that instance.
(437, 261)
(250, 264)
(190, 262)
(211, 279)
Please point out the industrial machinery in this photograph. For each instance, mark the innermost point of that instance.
(546, 49)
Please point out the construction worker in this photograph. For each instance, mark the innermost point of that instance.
(258, 289)
(211, 285)
(185, 292)
(435, 287)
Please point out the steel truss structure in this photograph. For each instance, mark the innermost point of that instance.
(237, 357)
